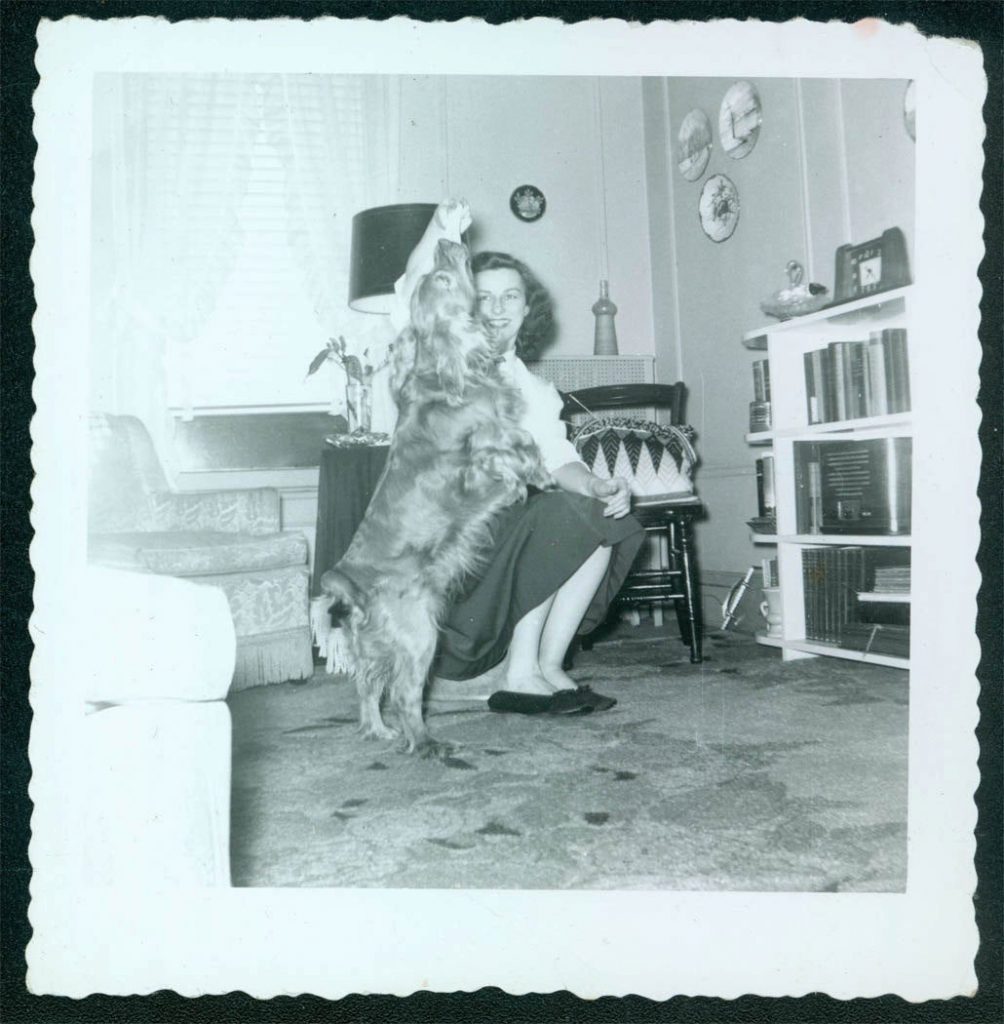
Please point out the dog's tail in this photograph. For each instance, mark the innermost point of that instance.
(347, 599)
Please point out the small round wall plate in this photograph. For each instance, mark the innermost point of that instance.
(739, 119)
(528, 203)
(719, 208)
(694, 145)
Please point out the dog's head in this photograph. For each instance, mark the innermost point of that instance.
(447, 291)
(446, 342)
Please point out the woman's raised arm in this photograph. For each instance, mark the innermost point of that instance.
(451, 219)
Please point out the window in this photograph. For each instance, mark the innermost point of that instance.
(307, 155)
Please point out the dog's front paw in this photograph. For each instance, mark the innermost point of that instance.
(378, 731)
(430, 748)
(542, 480)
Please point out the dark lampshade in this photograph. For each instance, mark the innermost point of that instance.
(382, 240)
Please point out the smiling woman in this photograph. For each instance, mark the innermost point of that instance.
(514, 304)
(502, 304)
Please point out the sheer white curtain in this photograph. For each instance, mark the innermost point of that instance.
(335, 136)
(178, 151)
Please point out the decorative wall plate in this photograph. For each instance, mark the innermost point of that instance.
(694, 145)
(719, 208)
(739, 120)
(910, 109)
(528, 203)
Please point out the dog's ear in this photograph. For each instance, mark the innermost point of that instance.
(433, 299)
(451, 369)
(438, 356)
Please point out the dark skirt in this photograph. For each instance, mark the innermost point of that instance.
(538, 546)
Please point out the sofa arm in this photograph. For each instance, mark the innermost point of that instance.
(142, 637)
(155, 776)
(250, 510)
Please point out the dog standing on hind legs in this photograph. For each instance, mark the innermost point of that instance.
(458, 457)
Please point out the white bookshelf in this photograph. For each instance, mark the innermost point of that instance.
(785, 345)
(841, 539)
(885, 597)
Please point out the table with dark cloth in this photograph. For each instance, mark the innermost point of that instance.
(348, 478)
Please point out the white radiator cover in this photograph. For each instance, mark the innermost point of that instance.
(568, 373)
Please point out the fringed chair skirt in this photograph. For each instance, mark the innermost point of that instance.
(537, 547)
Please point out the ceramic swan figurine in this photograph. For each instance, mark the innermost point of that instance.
(798, 298)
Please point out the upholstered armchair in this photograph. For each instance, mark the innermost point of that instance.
(230, 539)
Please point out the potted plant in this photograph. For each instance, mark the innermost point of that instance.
(359, 374)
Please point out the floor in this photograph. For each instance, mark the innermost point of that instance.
(743, 773)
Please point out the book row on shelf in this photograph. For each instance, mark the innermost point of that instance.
(892, 579)
(760, 406)
(761, 380)
(850, 380)
(765, 520)
(835, 579)
(846, 486)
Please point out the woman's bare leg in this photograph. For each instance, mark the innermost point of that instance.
(542, 636)
(522, 672)
(570, 605)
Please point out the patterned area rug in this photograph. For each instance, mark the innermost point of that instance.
(743, 773)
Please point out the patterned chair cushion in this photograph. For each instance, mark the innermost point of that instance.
(184, 553)
(657, 460)
(266, 603)
(252, 510)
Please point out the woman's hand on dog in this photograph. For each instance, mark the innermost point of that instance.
(615, 494)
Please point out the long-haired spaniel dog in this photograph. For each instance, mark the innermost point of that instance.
(457, 457)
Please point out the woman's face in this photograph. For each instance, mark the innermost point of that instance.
(501, 304)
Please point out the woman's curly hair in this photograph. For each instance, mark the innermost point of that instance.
(537, 330)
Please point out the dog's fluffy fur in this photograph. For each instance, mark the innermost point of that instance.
(457, 458)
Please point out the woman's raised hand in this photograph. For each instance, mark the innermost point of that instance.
(615, 494)
(454, 217)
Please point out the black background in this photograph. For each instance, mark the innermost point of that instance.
(979, 21)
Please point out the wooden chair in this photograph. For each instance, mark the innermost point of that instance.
(671, 518)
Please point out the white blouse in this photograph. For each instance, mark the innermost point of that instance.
(542, 418)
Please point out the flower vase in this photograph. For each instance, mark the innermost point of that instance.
(359, 406)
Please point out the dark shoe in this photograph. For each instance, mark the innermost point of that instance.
(580, 701)
(597, 700)
(514, 702)
(570, 702)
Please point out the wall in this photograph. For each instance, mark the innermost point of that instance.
(481, 137)
(833, 164)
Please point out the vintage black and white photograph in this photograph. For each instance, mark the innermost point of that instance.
(513, 481)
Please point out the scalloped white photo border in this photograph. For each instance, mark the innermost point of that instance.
(331, 942)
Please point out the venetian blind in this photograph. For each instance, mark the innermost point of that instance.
(293, 224)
